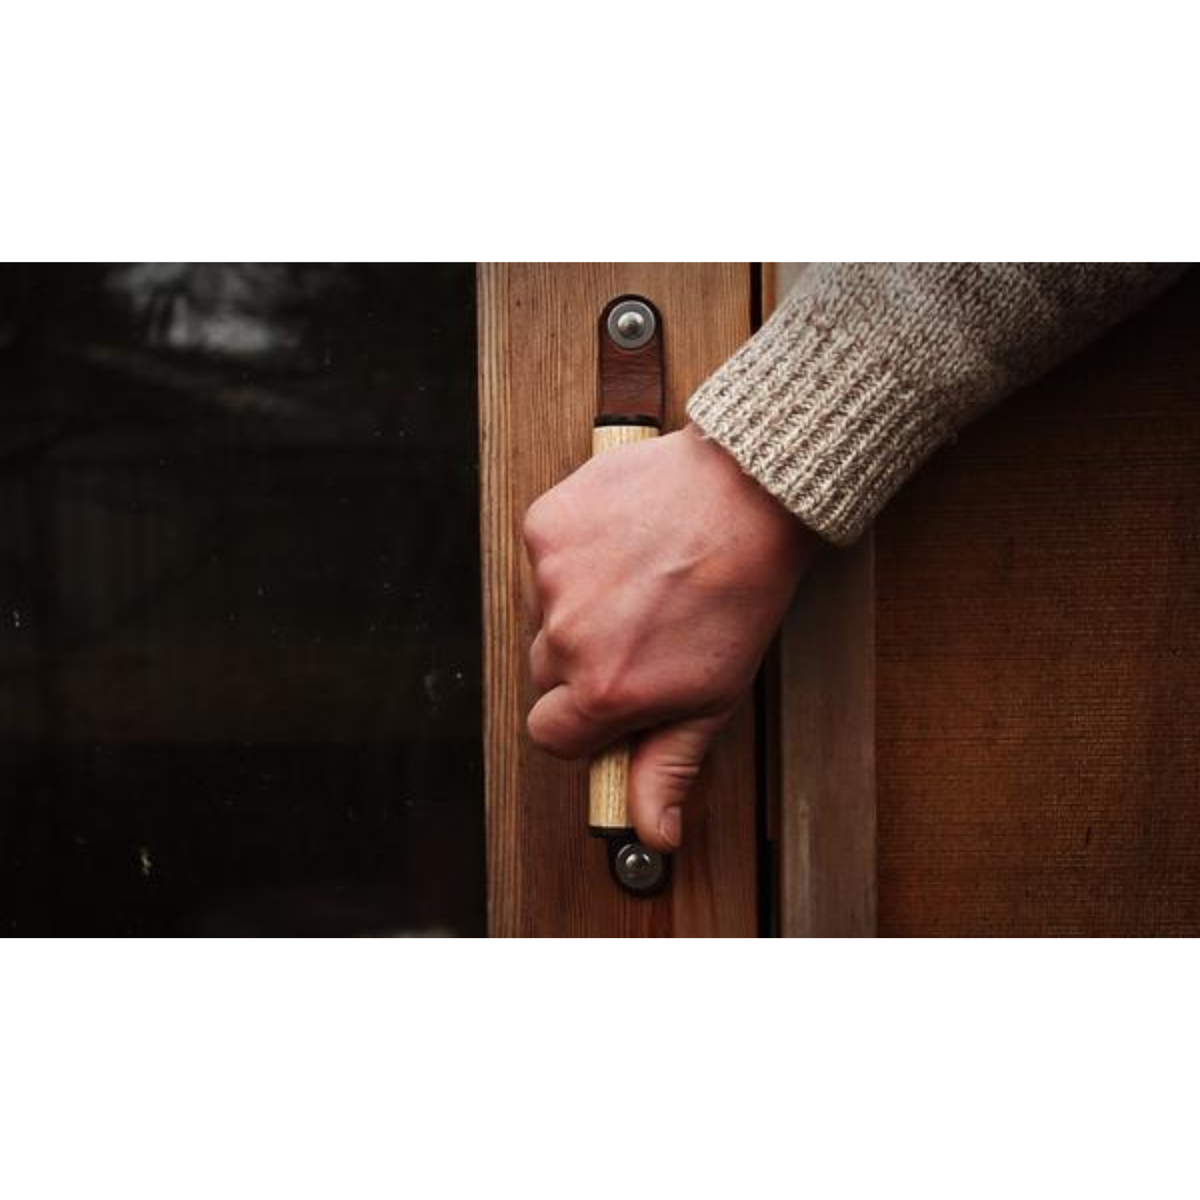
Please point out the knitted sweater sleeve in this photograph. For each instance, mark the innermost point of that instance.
(866, 368)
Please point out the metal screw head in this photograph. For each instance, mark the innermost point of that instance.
(639, 868)
(631, 324)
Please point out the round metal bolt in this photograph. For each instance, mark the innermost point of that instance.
(639, 868)
(631, 324)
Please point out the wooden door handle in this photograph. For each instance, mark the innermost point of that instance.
(608, 776)
(631, 407)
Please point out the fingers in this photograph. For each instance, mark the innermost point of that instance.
(665, 764)
(557, 726)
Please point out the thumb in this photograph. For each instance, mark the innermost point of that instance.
(665, 764)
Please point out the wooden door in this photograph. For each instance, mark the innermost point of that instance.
(991, 706)
(537, 392)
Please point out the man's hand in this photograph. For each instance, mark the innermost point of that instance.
(661, 572)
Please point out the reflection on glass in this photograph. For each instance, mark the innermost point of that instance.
(239, 616)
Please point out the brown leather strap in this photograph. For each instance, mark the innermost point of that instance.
(631, 384)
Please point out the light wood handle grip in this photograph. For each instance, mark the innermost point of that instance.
(608, 777)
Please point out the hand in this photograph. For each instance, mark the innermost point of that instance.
(662, 572)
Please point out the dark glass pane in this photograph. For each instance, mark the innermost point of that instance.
(239, 613)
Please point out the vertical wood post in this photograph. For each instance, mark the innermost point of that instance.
(537, 396)
(826, 729)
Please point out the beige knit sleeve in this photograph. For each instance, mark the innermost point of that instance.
(868, 367)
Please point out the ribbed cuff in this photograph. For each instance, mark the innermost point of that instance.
(851, 385)
(824, 426)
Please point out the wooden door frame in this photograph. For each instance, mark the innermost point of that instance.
(537, 397)
(824, 732)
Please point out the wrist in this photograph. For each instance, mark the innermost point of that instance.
(755, 506)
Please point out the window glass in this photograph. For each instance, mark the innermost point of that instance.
(239, 602)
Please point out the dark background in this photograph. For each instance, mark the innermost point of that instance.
(239, 601)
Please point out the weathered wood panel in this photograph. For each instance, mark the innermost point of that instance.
(537, 399)
(827, 819)
(1038, 655)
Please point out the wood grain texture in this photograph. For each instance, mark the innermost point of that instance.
(609, 437)
(1038, 655)
(608, 788)
(538, 356)
(827, 762)
(826, 734)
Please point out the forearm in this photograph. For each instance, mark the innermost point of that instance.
(864, 371)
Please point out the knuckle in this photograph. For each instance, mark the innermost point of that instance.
(539, 735)
(557, 633)
(603, 698)
(535, 526)
(547, 575)
(547, 738)
(679, 769)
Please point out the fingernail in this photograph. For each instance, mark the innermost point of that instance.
(670, 826)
